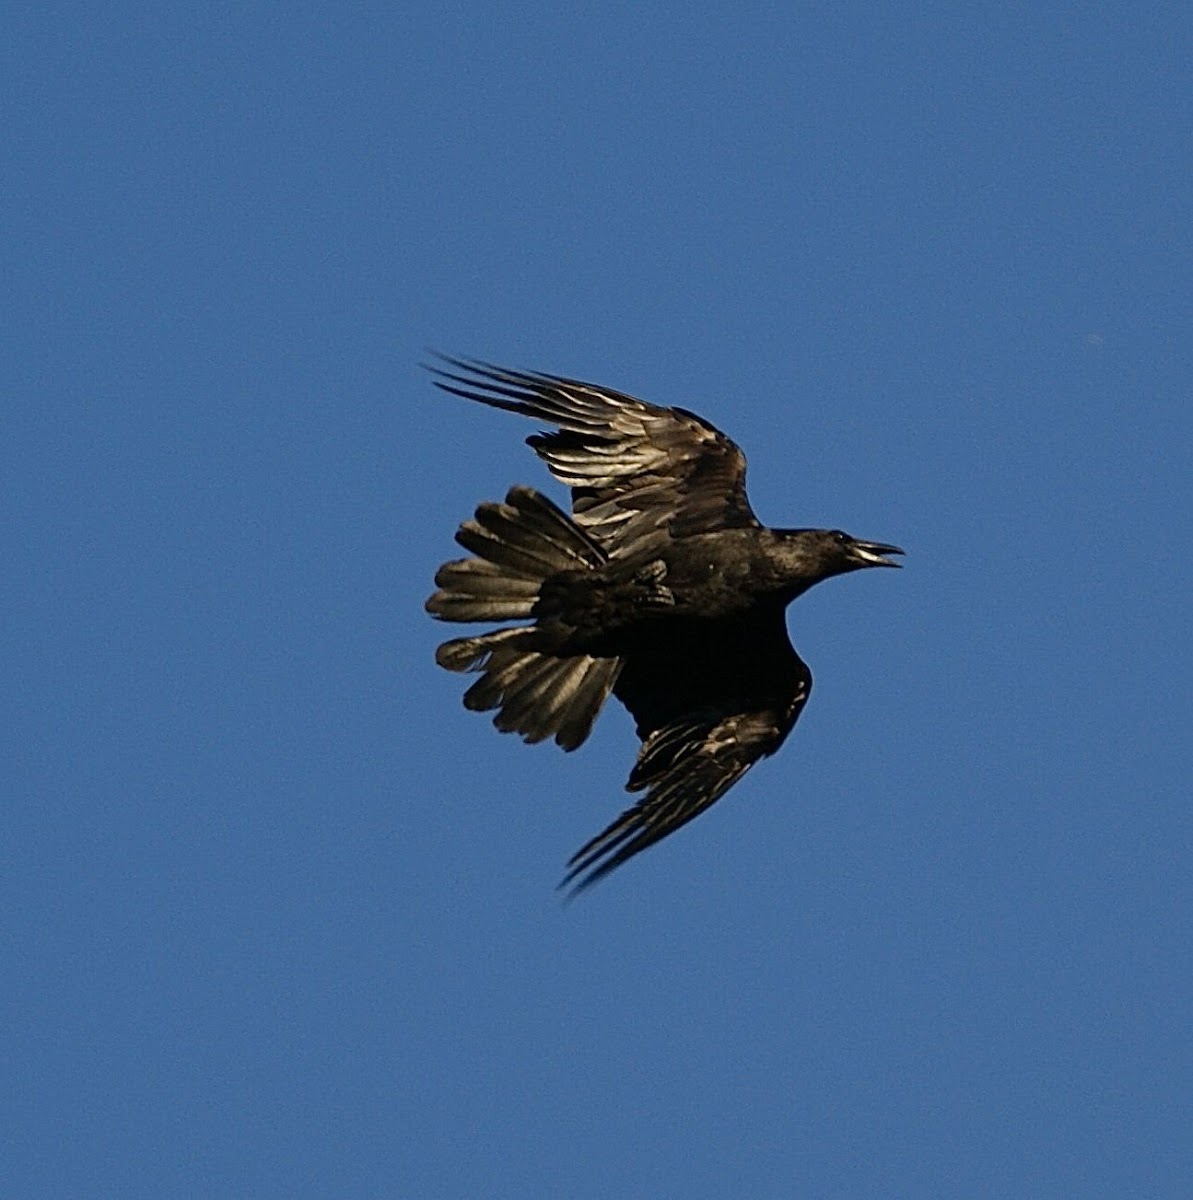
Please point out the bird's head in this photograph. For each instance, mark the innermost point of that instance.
(811, 555)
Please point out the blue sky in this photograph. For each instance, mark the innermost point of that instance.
(278, 914)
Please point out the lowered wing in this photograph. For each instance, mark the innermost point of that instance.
(708, 705)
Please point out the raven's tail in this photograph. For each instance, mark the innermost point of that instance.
(518, 545)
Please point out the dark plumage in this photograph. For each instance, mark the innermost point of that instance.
(662, 587)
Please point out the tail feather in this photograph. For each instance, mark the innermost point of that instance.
(537, 695)
(559, 697)
(539, 527)
(573, 700)
(480, 578)
(454, 606)
(519, 561)
(470, 653)
(507, 675)
(519, 544)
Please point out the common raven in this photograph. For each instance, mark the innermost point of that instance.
(662, 587)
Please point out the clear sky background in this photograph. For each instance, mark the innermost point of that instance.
(278, 915)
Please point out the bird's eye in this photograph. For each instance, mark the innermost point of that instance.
(840, 535)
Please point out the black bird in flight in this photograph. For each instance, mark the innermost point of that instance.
(662, 587)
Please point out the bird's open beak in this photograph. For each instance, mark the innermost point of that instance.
(870, 554)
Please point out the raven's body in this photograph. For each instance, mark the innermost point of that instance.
(662, 587)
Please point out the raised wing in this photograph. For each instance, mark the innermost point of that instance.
(708, 705)
(635, 469)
